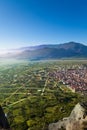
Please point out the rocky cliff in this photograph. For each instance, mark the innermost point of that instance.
(4, 125)
(76, 121)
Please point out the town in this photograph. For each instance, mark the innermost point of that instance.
(74, 78)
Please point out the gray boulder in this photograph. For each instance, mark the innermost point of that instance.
(76, 121)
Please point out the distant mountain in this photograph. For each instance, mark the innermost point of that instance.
(57, 51)
(45, 52)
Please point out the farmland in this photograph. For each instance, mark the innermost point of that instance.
(32, 95)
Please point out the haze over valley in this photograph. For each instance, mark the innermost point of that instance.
(47, 52)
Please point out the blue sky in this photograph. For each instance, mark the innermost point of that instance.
(34, 22)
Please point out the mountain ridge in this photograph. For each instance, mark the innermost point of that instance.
(52, 51)
(57, 51)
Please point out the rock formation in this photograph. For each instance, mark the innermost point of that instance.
(76, 121)
(4, 125)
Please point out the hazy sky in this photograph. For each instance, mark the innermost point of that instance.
(32, 22)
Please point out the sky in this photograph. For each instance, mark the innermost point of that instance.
(35, 22)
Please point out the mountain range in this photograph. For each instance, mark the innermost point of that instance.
(46, 52)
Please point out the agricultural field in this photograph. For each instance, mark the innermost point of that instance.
(33, 96)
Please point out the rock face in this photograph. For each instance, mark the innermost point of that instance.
(76, 121)
(4, 125)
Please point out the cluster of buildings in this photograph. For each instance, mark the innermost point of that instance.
(75, 79)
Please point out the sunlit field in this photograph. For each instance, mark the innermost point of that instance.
(32, 95)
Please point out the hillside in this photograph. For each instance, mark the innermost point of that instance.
(45, 52)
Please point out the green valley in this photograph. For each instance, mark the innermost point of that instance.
(33, 95)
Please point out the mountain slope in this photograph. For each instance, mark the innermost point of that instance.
(67, 50)
(45, 52)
